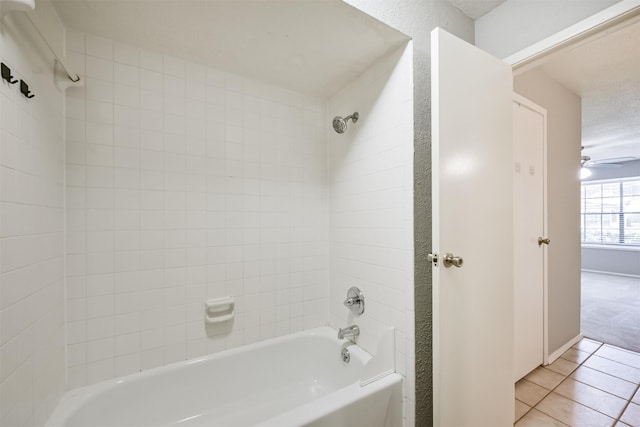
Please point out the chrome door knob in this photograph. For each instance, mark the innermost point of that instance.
(452, 260)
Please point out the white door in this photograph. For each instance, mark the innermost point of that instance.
(472, 159)
(529, 130)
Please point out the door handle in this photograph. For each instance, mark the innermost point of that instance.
(542, 241)
(450, 259)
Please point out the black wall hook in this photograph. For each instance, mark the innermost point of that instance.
(24, 89)
(6, 74)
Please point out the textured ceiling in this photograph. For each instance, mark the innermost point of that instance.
(310, 46)
(605, 72)
(474, 9)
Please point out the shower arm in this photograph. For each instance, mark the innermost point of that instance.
(354, 117)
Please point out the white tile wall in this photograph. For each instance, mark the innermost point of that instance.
(31, 235)
(371, 204)
(186, 183)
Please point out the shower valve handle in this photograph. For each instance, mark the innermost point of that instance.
(355, 300)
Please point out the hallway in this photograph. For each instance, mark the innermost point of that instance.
(611, 309)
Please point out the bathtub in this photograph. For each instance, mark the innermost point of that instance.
(295, 380)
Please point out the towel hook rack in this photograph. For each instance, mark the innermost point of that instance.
(6, 74)
(24, 89)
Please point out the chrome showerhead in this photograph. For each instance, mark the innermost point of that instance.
(340, 124)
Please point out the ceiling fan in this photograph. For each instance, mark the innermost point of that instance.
(612, 162)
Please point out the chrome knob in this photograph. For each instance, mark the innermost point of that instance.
(350, 302)
(355, 300)
(449, 260)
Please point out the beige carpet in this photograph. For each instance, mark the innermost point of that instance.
(611, 309)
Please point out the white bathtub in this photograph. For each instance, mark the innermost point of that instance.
(295, 380)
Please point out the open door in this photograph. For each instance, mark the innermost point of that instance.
(472, 158)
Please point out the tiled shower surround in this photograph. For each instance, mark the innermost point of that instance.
(186, 183)
(371, 209)
(31, 238)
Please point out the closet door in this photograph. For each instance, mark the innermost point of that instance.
(529, 130)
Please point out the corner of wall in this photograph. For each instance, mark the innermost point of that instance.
(32, 371)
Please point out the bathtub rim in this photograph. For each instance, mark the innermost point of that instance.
(73, 399)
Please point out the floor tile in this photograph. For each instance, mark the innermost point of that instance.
(636, 398)
(535, 418)
(621, 424)
(575, 355)
(545, 378)
(587, 345)
(573, 413)
(608, 383)
(562, 366)
(521, 409)
(619, 355)
(616, 369)
(592, 397)
(529, 392)
(631, 415)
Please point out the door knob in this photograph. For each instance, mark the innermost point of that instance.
(542, 241)
(449, 260)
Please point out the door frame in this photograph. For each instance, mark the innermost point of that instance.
(527, 103)
(609, 20)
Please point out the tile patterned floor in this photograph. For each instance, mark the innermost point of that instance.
(591, 385)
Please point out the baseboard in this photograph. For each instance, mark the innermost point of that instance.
(559, 352)
(635, 276)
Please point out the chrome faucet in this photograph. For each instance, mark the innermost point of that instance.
(349, 332)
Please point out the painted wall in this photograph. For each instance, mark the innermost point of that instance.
(371, 209)
(32, 375)
(185, 183)
(612, 260)
(564, 126)
(416, 19)
(517, 24)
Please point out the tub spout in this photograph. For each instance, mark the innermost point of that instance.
(349, 332)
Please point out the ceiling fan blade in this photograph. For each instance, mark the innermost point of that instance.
(594, 165)
(612, 162)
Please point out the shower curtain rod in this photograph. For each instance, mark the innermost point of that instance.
(59, 56)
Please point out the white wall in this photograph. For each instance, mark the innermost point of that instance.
(31, 232)
(564, 129)
(611, 260)
(371, 198)
(186, 183)
(517, 24)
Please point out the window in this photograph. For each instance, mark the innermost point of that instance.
(610, 212)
